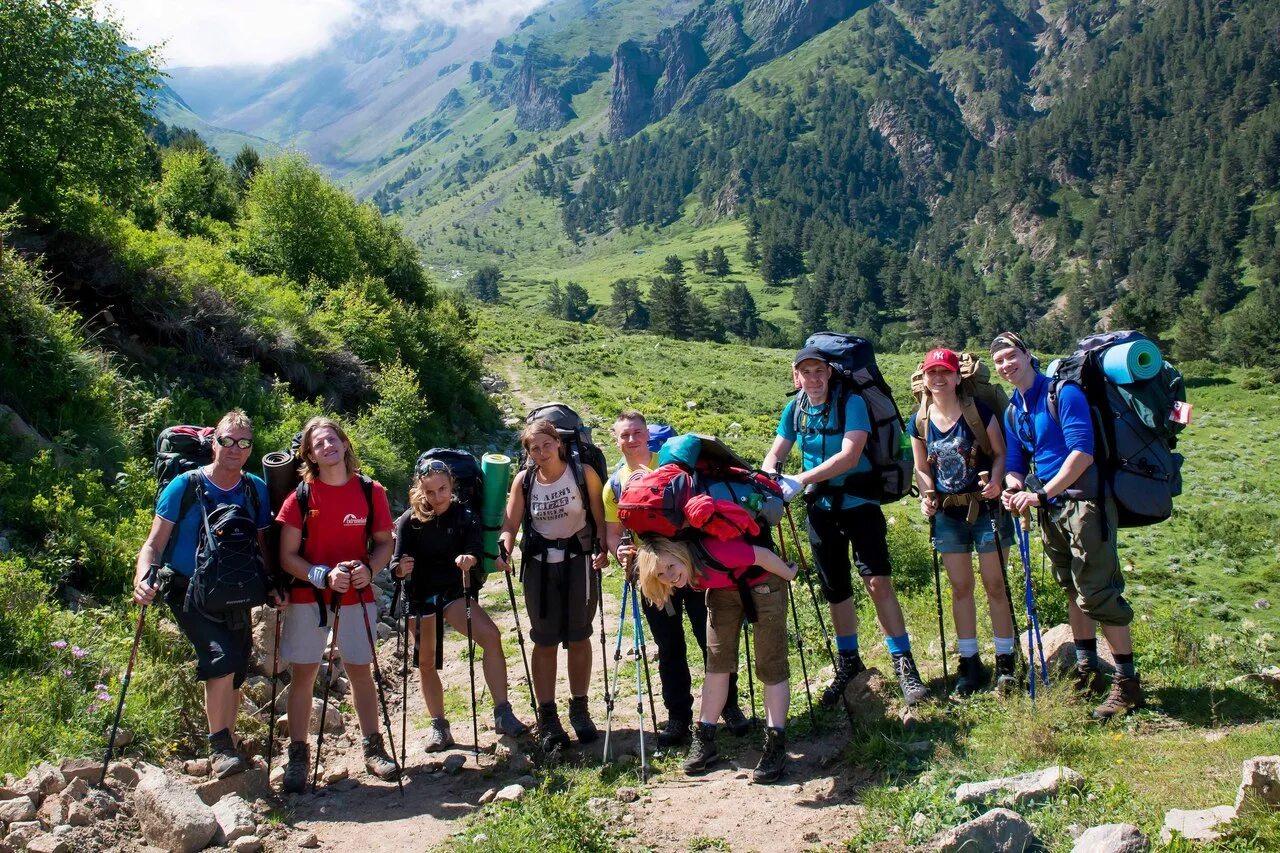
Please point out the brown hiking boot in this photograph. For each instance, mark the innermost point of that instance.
(1088, 681)
(295, 772)
(224, 760)
(1126, 694)
(376, 759)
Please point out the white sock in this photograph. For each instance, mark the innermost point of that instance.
(968, 646)
(1004, 645)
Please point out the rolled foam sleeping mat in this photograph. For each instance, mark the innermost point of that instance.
(497, 480)
(1135, 361)
(280, 470)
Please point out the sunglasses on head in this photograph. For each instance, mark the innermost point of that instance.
(228, 441)
(435, 466)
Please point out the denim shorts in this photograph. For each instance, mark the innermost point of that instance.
(952, 535)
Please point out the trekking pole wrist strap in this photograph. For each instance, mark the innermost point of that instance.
(319, 576)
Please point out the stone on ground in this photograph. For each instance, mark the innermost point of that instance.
(235, 819)
(1025, 787)
(1259, 782)
(250, 784)
(454, 763)
(248, 844)
(1060, 650)
(17, 809)
(510, 794)
(172, 814)
(865, 694)
(333, 723)
(998, 829)
(1196, 824)
(1112, 838)
(48, 844)
(81, 768)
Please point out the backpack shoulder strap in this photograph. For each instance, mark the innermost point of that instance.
(922, 419)
(970, 411)
(366, 484)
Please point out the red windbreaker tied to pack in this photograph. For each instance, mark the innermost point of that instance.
(664, 501)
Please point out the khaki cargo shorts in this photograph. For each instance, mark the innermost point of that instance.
(768, 635)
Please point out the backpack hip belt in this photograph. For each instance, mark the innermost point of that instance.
(972, 500)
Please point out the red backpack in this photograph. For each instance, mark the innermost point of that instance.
(665, 502)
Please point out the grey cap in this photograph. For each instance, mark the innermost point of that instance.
(808, 353)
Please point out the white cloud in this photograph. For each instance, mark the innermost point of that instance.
(252, 32)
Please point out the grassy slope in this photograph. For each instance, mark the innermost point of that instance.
(1184, 752)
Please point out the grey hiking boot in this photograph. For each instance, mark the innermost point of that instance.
(1125, 695)
(376, 760)
(774, 758)
(1006, 674)
(702, 752)
(735, 720)
(439, 736)
(551, 733)
(973, 676)
(1088, 681)
(295, 772)
(913, 689)
(224, 760)
(580, 719)
(674, 733)
(848, 665)
(506, 722)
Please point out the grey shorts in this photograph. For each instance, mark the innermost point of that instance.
(561, 600)
(304, 641)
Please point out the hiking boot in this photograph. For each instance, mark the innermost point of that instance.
(224, 760)
(774, 758)
(295, 772)
(973, 676)
(1006, 674)
(506, 722)
(551, 734)
(439, 736)
(1088, 681)
(735, 720)
(674, 733)
(702, 752)
(913, 689)
(376, 760)
(580, 719)
(1126, 694)
(848, 665)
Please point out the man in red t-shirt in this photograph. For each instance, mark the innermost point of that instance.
(337, 561)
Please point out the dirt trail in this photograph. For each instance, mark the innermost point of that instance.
(812, 807)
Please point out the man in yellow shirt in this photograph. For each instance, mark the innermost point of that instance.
(631, 433)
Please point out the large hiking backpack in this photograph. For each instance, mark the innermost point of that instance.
(231, 572)
(666, 502)
(180, 449)
(975, 385)
(1134, 436)
(466, 474)
(853, 362)
(576, 436)
(725, 476)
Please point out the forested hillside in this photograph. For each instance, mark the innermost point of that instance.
(144, 282)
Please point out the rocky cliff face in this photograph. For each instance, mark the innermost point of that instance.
(711, 48)
(917, 154)
(539, 106)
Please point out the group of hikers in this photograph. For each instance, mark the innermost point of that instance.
(977, 471)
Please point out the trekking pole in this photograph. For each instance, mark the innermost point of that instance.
(994, 508)
(328, 680)
(471, 664)
(1023, 531)
(636, 642)
(515, 614)
(808, 576)
(644, 652)
(617, 661)
(795, 618)
(377, 682)
(402, 640)
(751, 681)
(150, 578)
(275, 668)
(604, 659)
(932, 497)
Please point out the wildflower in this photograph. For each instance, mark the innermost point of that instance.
(92, 709)
(67, 673)
(59, 644)
(99, 687)
(104, 696)
(78, 652)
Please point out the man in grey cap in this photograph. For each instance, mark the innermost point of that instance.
(831, 445)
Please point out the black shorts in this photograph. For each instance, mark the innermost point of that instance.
(223, 647)
(832, 532)
(561, 599)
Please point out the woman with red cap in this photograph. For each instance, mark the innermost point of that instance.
(949, 454)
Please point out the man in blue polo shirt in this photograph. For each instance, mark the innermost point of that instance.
(1049, 465)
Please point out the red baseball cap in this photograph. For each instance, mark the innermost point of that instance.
(942, 358)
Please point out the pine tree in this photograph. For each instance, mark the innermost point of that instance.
(738, 313)
(701, 261)
(669, 308)
(1198, 332)
(577, 303)
(673, 266)
(719, 262)
(483, 284)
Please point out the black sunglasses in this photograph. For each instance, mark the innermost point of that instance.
(434, 466)
(228, 441)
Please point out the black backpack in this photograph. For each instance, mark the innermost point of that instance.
(1134, 437)
(466, 474)
(230, 573)
(853, 363)
(581, 451)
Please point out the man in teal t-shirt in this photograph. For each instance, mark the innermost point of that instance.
(831, 445)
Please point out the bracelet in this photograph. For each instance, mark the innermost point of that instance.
(319, 576)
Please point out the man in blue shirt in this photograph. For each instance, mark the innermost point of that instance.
(1050, 466)
(222, 646)
(839, 518)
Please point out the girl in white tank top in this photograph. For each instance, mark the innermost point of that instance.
(557, 509)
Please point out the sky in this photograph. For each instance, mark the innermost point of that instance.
(262, 32)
